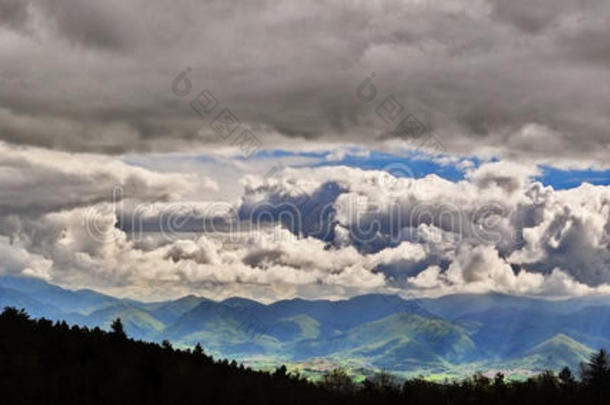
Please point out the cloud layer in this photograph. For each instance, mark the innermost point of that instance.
(513, 79)
(331, 231)
(88, 90)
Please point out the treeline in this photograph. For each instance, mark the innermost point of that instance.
(42, 362)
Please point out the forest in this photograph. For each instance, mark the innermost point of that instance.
(45, 362)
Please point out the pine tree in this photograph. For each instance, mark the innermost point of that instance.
(566, 376)
(281, 371)
(198, 350)
(166, 344)
(596, 373)
(117, 328)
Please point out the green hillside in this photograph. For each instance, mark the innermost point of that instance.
(553, 354)
(137, 322)
(446, 336)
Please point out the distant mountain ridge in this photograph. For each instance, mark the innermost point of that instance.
(432, 335)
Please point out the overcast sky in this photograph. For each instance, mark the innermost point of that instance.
(139, 110)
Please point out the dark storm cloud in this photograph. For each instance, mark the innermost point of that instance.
(537, 15)
(89, 23)
(13, 13)
(515, 78)
(86, 23)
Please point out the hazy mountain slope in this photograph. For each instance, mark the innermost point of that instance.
(15, 298)
(464, 306)
(382, 331)
(554, 354)
(590, 325)
(295, 328)
(137, 322)
(79, 301)
(399, 341)
(169, 311)
(346, 314)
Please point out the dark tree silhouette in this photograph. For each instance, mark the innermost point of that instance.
(596, 373)
(281, 371)
(338, 380)
(566, 376)
(117, 329)
(167, 345)
(198, 350)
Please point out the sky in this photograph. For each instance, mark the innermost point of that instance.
(319, 149)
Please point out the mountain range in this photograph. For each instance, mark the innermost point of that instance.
(445, 336)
